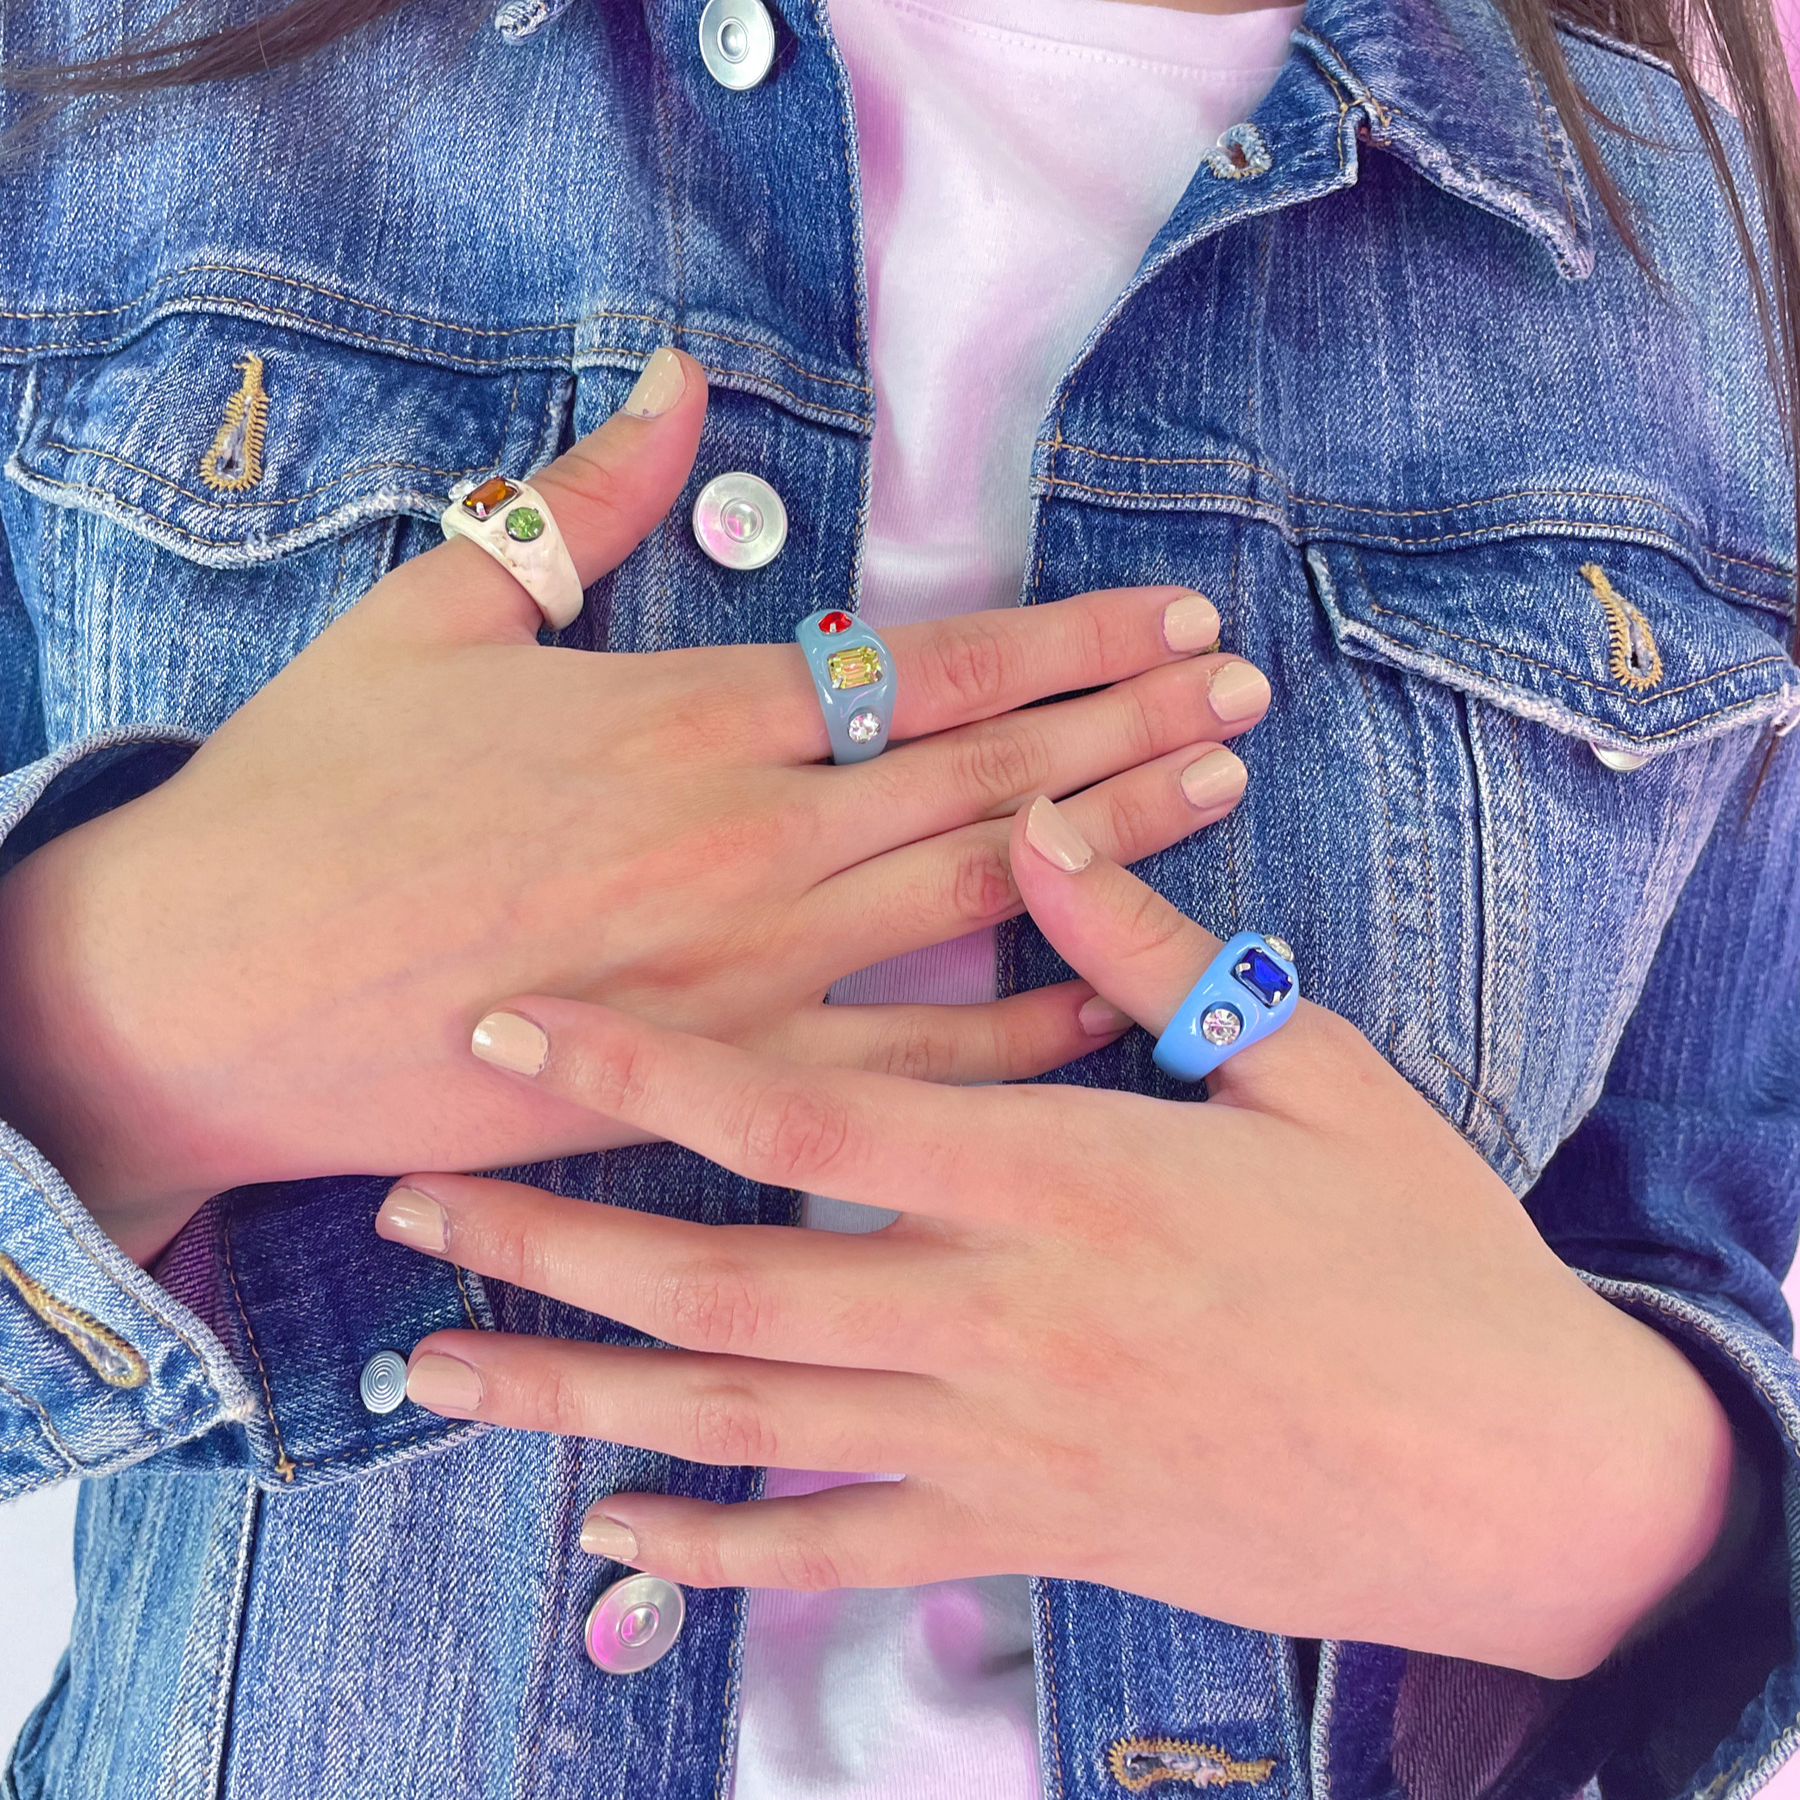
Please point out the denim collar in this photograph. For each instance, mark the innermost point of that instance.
(1442, 85)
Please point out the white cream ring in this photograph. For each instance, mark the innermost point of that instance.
(513, 523)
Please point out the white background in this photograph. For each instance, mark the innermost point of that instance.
(37, 1594)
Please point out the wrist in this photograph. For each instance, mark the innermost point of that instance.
(67, 1079)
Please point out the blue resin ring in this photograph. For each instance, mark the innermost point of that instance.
(854, 673)
(1249, 989)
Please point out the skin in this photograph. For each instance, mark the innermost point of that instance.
(1401, 1418)
(268, 967)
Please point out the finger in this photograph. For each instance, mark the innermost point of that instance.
(608, 492)
(869, 1534)
(1001, 1040)
(868, 1301)
(725, 1410)
(916, 1147)
(991, 769)
(946, 886)
(979, 665)
(1144, 955)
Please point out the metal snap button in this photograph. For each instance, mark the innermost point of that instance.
(737, 42)
(383, 1381)
(634, 1623)
(739, 521)
(1622, 760)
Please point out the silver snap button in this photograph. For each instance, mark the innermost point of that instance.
(1622, 760)
(634, 1623)
(737, 42)
(739, 521)
(383, 1381)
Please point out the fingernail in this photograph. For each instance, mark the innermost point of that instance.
(413, 1218)
(1054, 838)
(662, 383)
(601, 1536)
(1214, 780)
(1240, 690)
(1191, 623)
(1100, 1018)
(510, 1042)
(444, 1384)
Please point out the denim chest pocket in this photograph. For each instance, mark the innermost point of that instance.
(1597, 703)
(185, 513)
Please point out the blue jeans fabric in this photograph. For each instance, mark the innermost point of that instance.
(1475, 489)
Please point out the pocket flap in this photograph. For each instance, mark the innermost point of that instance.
(1610, 641)
(234, 443)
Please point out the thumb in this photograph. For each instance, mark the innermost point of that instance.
(607, 492)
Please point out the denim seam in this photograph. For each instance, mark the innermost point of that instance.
(1489, 1107)
(1387, 819)
(284, 1464)
(662, 113)
(269, 500)
(411, 318)
(1759, 662)
(1050, 1693)
(45, 1423)
(462, 1288)
(358, 1452)
(156, 1315)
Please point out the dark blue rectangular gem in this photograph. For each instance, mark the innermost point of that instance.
(1263, 976)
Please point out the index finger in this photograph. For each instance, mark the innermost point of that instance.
(979, 665)
(880, 1140)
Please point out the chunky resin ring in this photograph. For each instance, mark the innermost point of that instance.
(511, 521)
(1249, 989)
(854, 674)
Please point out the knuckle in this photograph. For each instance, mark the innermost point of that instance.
(916, 1050)
(982, 890)
(806, 1563)
(560, 1404)
(725, 1426)
(1147, 923)
(1001, 765)
(695, 1560)
(712, 1306)
(973, 664)
(794, 1132)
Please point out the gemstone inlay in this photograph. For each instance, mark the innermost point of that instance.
(863, 727)
(524, 523)
(1221, 1025)
(492, 494)
(836, 621)
(1263, 976)
(857, 666)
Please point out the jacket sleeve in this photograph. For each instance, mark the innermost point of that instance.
(1678, 1198)
(99, 1367)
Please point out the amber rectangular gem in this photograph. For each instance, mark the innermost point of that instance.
(493, 492)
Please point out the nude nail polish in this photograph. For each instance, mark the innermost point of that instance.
(1100, 1018)
(510, 1042)
(1054, 838)
(1239, 690)
(1191, 623)
(601, 1536)
(662, 383)
(444, 1384)
(411, 1217)
(1213, 780)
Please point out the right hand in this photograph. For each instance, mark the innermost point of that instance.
(268, 967)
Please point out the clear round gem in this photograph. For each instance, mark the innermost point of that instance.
(734, 41)
(863, 727)
(1280, 946)
(741, 520)
(1221, 1025)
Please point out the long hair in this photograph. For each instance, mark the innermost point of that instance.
(1736, 42)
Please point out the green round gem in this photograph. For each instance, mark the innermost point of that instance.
(524, 523)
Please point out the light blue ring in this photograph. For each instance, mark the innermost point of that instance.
(1184, 1050)
(841, 705)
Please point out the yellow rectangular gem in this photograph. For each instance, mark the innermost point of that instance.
(858, 666)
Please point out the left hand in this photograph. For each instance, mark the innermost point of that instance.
(1295, 1358)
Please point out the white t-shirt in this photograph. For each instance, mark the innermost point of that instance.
(1017, 158)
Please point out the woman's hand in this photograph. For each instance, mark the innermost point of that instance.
(1294, 1358)
(268, 967)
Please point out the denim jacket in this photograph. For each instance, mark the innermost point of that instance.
(1486, 496)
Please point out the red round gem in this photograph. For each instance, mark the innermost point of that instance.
(836, 621)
